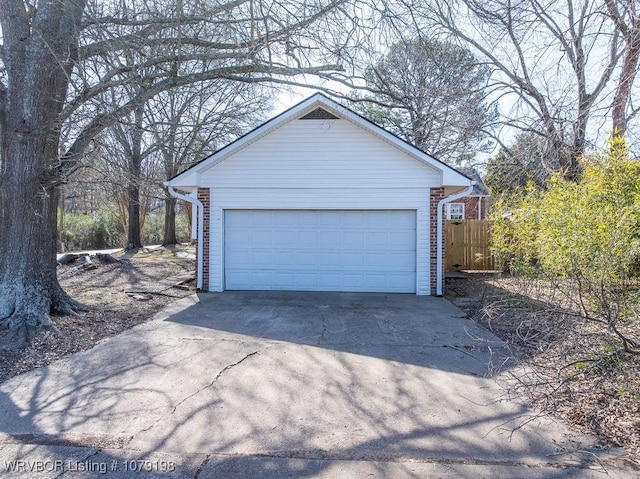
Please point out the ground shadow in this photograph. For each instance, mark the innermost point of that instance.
(421, 330)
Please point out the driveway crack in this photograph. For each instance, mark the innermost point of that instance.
(324, 328)
(214, 380)
(183, 400)
(202, 464)
(63, 471)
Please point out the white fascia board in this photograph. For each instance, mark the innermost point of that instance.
(451, 177)
(188, 181)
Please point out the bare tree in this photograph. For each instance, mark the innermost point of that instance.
(553, 62)
(523, 163)
(192, 122)
(59, 58)
(129, 135)
(626, 17)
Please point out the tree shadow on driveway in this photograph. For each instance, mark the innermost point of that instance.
(421, 330)
(303, 385)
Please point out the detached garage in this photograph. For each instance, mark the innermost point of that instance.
(320, 199)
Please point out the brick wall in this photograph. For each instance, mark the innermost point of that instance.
(204, 195)
(471, 206)
(436, 195)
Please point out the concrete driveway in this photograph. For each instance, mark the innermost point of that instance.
(254, 384)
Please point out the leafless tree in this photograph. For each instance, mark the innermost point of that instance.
(553, 61)
(192, 122)
(58, 59)
(626, 17)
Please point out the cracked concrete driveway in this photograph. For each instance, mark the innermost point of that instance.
(256, 384)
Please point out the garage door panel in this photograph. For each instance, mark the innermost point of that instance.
(353, 240)
(307, 239)
(239, 258)
(261, 238)
(400, 238)
(400, 261)
(330, 260)
(281, 236)
(400, 282)
(307, 281)
(353, 261)
(398, 222)
(284, 258)
(320, 250)
(330, 240)
(284, 280)
(379, 260)
(304, 260)
(377, 240)
(379, 219)
(353, 222)
(378, 281)
(353, 281)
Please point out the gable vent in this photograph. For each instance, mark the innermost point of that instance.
(319, 114)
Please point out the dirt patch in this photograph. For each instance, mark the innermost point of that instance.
(571, 370)
(119, 295)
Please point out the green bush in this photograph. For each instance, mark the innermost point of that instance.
(92, 231)
(585, 234)
(102, 230)
(591, 227)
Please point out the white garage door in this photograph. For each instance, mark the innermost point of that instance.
(365, 251)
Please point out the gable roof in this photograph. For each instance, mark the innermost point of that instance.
(317, 106)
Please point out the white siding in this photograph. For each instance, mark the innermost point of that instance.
(320, 165)
(320, 198)
(321, 154)
(216, 248)
(423, 259)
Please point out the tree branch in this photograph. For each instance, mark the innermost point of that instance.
(14, 21)
(241, 74)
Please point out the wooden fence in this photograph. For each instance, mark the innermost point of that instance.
(467, 245)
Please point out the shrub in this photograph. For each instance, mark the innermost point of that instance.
(584, 235)
(92, 231)
(153, 230)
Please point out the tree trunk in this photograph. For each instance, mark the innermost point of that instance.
(169, 221)
(627, 21)
(62, 246)
(37, 65)
(29, 288)
(134, 236)
(623, 90)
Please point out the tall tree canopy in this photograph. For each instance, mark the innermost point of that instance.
(432, 94)
(71, 68)
(554, 63)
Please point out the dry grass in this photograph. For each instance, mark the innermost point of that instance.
(113, 309)
(573, 368)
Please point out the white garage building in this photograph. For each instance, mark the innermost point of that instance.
(320, 199)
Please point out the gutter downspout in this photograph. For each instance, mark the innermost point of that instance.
(439, 240)
(200, 208)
